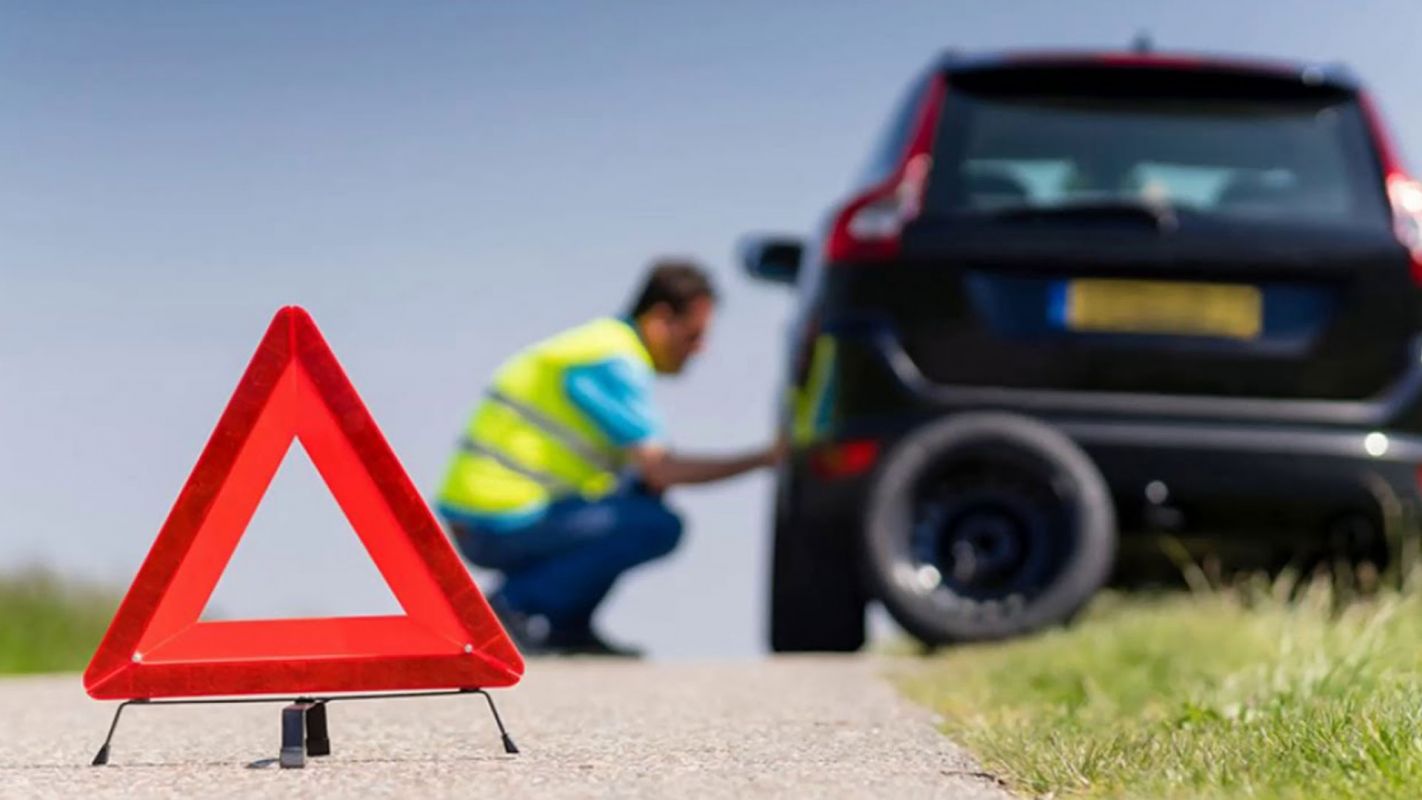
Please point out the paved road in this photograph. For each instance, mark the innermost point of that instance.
(802, 727)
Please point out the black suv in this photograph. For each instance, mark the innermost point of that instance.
(1076, 303)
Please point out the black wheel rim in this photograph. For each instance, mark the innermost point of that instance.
(988, 531)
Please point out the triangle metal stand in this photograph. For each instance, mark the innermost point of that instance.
(303, 723)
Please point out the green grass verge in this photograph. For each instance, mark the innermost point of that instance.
(48, 624)
(1218, 694)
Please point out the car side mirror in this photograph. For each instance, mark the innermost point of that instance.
(775, 259)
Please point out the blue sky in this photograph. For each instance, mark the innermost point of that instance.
(440, 183)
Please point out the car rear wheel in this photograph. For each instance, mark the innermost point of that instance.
(987, 525)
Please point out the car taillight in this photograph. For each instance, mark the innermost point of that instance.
(1403, 191)
(869, 226)
(1406, 196)
(844, 459)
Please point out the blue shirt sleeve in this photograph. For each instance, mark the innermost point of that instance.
(616, 394)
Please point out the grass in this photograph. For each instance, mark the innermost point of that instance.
(48, 624)
(1262, 690)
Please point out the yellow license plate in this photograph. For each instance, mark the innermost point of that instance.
(1164, 307)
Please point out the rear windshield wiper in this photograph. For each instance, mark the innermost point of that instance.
(1161, 215)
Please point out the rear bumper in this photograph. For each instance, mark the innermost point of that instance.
(1249, 482)
(1257, 496)
(1210, 479)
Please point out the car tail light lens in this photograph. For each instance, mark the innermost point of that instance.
(844, 459)
(1406, 196)
(870, 225)
(1403, 191)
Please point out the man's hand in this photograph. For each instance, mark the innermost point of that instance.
(778, 451)
(662, 470)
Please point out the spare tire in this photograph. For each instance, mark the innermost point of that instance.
(987, 525)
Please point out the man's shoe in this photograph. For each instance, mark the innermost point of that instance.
(527, 631)
(533, 636)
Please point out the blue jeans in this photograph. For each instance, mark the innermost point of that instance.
(563, 565)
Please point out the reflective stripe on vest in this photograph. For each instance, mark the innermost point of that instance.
(550, 482)
(565, 436)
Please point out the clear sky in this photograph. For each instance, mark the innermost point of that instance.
(440, 183)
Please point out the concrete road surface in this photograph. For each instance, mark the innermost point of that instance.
(798, 727)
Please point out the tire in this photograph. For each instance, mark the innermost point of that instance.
(987, 525)
(817, 596)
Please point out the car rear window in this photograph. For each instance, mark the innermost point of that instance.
(1212, 150)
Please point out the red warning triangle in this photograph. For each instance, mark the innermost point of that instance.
(295, 389)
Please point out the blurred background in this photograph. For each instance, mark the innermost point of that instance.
(440, 184)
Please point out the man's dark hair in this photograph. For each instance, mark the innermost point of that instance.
(674, 282)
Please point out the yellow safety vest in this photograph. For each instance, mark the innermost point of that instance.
(527, 443)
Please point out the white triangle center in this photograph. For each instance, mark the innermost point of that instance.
(299, 557)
